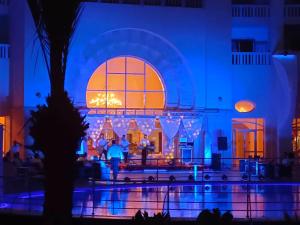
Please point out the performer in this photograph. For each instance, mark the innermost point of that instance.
(144, 144)
(102, 146)
(125, 147)
(115, 155)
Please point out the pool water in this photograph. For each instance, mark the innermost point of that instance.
(260, 201)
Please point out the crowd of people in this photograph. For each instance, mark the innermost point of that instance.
(32, 163)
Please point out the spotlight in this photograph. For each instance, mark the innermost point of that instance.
(206, 177)
(206, 188)
(150, 178)
(127, 179)
(172, 178)
(191, 177)
(224, 177)
(245, 177)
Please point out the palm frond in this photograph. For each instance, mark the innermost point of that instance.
(55, 22)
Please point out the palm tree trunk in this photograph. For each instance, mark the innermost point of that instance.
(59, 160)
(57, 76)
(58, 186)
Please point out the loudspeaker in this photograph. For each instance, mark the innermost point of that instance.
(222, 143)
(216, 161)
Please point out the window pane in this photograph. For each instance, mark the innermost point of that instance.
(135, 82)
(98, 80)
(116, 65)
(153, 82)
(115, 99)
(134, 65)
(96, 99)
(155, 100)
(135, 99)
(116, 82)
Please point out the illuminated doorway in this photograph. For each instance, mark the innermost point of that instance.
(4, 134)
(296, 136)
(248, 137)
(129, 85)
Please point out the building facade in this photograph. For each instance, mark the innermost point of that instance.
(220, 76)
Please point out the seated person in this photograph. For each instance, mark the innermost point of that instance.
(37, 162)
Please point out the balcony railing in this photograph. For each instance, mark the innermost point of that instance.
(292, 11)
(4, 51)
(4, 2)
(251, 58)
(171, 3)
(250, 11)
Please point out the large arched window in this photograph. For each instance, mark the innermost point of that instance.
(125, 82)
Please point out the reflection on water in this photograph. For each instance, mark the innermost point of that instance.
(256, 201)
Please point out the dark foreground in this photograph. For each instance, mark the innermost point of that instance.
(10, 219)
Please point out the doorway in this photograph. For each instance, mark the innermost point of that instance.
(248, 137)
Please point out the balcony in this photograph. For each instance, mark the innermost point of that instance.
(250, 11)
(292, 11)
(168, 3)
(251, 58)
(4, 2)
(4, 51)
(4, 7)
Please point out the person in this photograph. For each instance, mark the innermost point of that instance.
(29, 154)
(144, 144)
(115, 155)
(83, 147)
(37, 162)
(102, 146)
(125, 146)
(16, 147)
(14, 151)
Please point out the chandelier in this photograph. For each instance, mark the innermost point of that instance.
(101, 100)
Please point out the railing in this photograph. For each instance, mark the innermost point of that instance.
(144, 112)
(292, 11)
(172, 3)
(4, 2)
(246, 190)
(250, 11)
(4, 51)
(251, 58)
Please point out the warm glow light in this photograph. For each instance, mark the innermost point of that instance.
(100, 100)
(244, 106)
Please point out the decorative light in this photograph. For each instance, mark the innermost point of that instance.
(244, 106)
(101, 100)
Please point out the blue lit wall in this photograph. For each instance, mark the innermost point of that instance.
(185, 45)
(191, 48)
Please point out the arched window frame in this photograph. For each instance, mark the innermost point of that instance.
(112, 102)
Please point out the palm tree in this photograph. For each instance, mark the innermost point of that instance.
(57, 126)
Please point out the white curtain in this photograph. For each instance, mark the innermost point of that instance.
(170, 127)
(120, 125)
(95, 126)
(192, 127)
(146, 125)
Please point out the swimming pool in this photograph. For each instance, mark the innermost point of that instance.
(182, 200)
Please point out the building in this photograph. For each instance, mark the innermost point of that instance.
(223, 73)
